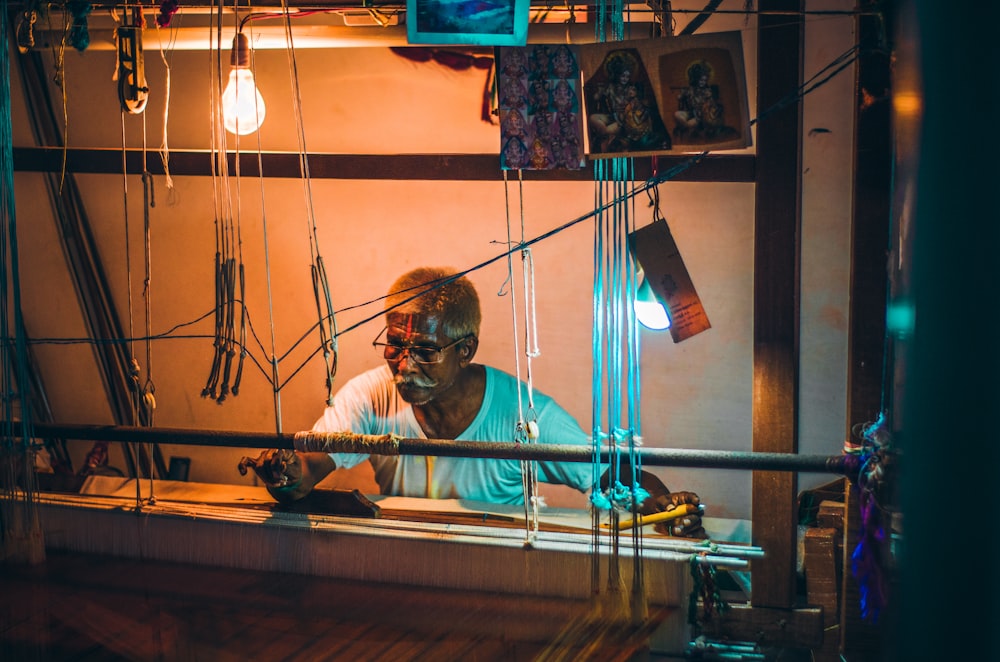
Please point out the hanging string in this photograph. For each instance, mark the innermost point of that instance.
(529, 418)
(215, 93)
(237, 295)
(233, 270)
(227, 242)
(134, 453)
(327, 322)
(164, 147)
(275, 375)
(147, 402)
(133, 364)
(58, 48)
(529, 484)
(634, 381)
(20, 529)
(705, 588)
(615, 368)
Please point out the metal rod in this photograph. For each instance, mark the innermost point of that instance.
(661, 457)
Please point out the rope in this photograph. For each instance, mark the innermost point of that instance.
(527, 425)
(347, 442)
(164, 148)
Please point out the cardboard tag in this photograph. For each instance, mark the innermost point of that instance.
(654, 248)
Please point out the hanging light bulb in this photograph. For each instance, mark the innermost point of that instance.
(648, 309)
(242, 104)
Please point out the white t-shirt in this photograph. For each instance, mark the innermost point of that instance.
(370, 404)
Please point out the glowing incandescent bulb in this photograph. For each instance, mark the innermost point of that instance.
(648, 310)
(242, 104)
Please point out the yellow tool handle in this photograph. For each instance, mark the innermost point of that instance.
(665, 516)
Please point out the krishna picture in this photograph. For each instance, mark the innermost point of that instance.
(644, 97)
(623, 116)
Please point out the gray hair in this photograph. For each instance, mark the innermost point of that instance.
(436, 291)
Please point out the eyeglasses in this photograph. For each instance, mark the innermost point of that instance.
(424, 354)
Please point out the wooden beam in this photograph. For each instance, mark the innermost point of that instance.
(873, 173)
(768, 627)
(776, 298)
(457, 167)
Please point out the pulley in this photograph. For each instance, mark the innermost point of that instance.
(132, 90)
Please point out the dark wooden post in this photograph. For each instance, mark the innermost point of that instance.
(776, 296)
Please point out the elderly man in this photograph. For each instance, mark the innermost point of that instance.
(431, 388)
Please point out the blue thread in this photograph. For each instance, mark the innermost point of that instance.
(599, 500)
(79, 35)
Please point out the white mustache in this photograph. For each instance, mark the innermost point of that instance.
(418, 381)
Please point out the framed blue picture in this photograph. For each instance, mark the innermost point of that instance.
(467, 22)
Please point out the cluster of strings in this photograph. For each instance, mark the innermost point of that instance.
(20, 531)
(617, 607)
(229, 268)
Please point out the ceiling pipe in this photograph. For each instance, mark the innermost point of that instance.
(265, 37)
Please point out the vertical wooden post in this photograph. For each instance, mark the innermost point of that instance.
(776, 296)
(870, 222)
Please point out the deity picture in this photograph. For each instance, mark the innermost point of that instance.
(622, 113)
(644, 97)
(704, 97)
(539, 108)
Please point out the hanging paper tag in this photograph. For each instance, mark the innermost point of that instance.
(654, 248)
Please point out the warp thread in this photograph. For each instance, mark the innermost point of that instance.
(347, 442)
(706, 588)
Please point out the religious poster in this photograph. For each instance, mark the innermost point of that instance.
(541, 124)
(644, 97)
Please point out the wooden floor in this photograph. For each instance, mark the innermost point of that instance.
(88, 608)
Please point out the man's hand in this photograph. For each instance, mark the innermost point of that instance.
(686, 525)
(277, 468)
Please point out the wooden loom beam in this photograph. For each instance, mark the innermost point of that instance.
(449, 448)
(431, 167)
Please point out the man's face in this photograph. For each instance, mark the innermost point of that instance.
(419, 383)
